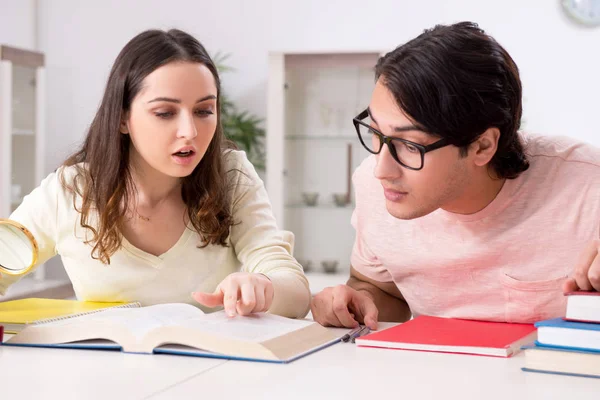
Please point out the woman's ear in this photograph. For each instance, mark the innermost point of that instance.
(124, 127)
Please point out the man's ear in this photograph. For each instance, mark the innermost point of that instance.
(124, 126)
(483, 149)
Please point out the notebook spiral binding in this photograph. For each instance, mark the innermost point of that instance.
(56, 319)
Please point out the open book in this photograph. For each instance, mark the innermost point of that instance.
(179, 328)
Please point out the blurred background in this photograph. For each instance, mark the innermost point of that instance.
(558, 57)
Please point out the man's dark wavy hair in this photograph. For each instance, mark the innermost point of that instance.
(456, 82)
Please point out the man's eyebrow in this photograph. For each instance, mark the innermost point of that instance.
(371, 115)
(397, 128)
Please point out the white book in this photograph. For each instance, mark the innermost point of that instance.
(583, 306)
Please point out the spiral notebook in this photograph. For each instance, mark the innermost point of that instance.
(16, 314)
(181, 329)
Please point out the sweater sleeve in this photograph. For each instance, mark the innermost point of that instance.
(38, 213)
(260, 246)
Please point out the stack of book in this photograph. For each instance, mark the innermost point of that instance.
(570, 345)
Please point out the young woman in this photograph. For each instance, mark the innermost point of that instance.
(154, 207)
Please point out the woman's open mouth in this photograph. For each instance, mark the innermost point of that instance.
(184, 157)
(187, 153)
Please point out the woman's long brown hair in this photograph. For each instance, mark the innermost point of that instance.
(102, 174)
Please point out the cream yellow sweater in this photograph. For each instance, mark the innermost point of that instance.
(255, 245)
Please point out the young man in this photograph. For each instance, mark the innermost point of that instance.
(457, 214)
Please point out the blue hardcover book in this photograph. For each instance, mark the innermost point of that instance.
(182, 329)
(562, 361)
(559, 332)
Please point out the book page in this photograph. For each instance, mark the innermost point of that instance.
(138, 321)
(253, 328)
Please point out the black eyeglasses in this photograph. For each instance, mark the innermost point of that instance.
(409, 154)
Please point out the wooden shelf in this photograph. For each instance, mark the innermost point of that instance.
(23, 132)
(312, 144)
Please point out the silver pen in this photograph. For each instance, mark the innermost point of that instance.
(364, 331)
(351, 334)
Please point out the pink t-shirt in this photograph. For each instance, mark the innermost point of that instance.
(506, 262)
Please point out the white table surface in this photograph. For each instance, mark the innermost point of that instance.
(345, 371)
(36, 373)
(342, 371)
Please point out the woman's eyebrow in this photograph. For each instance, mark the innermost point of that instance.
(178, 101)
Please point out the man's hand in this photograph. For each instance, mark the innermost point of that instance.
(240, 293)
(344, 307)
(587, 270)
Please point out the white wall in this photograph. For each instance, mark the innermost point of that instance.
(17, 23)
(559, 60)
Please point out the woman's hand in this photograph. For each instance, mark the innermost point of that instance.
(240, 293)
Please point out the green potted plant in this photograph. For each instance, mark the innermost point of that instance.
(241, 127)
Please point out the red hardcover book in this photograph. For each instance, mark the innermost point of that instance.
(450, 335)
(583, 306)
